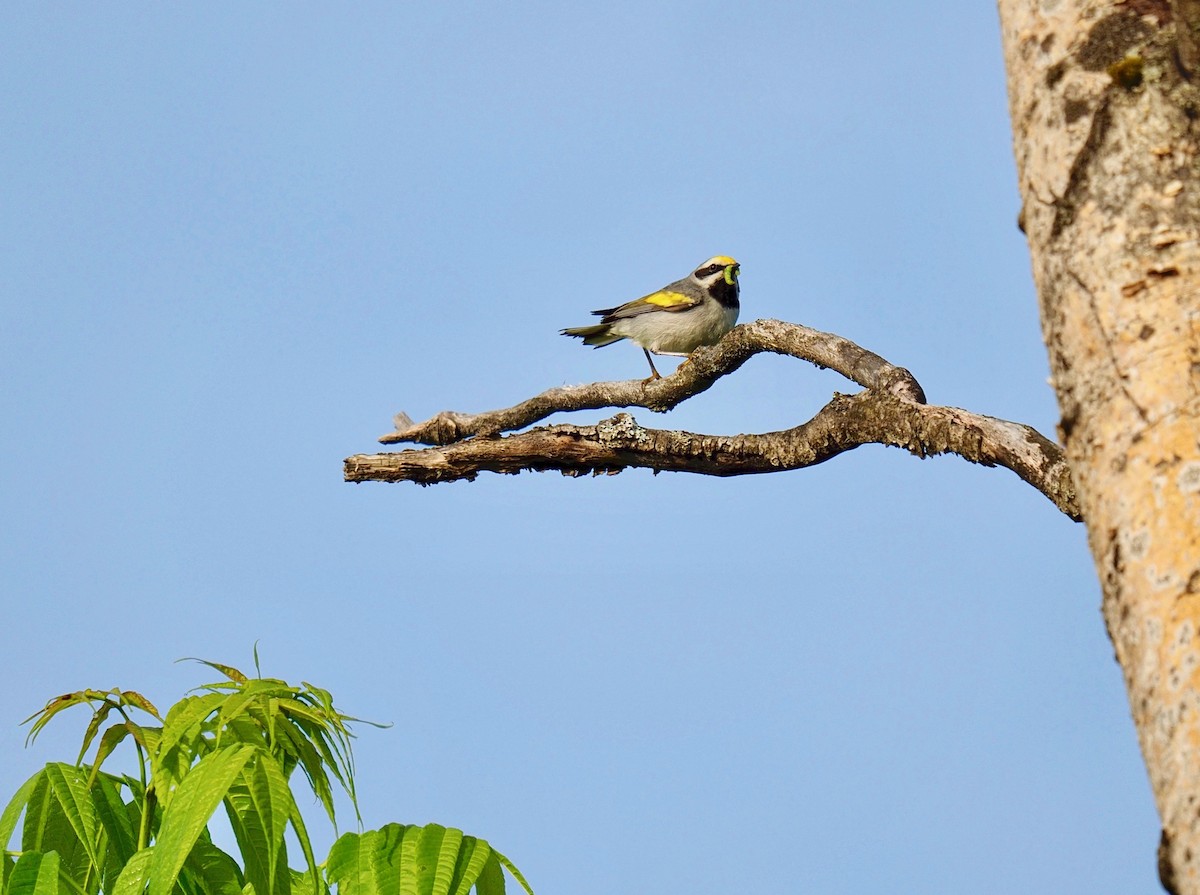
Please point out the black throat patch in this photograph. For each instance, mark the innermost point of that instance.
(726, 295)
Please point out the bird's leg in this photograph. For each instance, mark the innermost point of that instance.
(654, 373)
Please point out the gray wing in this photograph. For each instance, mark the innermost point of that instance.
(669, 298)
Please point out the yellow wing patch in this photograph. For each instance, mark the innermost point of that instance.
(670, 301)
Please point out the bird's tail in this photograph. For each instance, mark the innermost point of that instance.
(599, 335)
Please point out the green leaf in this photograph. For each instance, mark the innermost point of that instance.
(367, 863)
(321, 697)
(136, 874)
(181, 741)
(251, 698)
(45, 829)
(185, 720)
(12, 812)
(491, 878)
(69, 787)
(328, 747)
(347, 865)
(56, 705)
(228, 670)
(109, 741)
(211, 871)
(132, 697)
(304, 881)
(273, 803)
(442, 850)
(512, 868)
(193, 803)
(472, 856)
(251, 838)
(426, 853)
(409, 869)
(296, 744)
(114, 817)
(34, 874)
(314, 871)
(143, 811)
(146, 737)
(414, 860)
(93, 727)
(259, 806)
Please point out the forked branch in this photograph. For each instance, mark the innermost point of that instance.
(890, 411)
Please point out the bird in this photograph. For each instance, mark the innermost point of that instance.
(675, 320)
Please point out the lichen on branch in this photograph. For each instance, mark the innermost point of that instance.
(891, 410)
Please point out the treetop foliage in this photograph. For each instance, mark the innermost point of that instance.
(234, 745)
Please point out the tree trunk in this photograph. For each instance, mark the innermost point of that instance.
(1104, 104)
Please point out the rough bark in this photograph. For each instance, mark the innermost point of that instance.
(890, 411)
(705, 367)
(1106, 139)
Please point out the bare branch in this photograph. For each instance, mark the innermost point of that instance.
(844, 423)
(705, 367)
(891, 412)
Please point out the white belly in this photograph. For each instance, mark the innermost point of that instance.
(678, 332)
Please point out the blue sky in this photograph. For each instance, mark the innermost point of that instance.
(237, 238)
